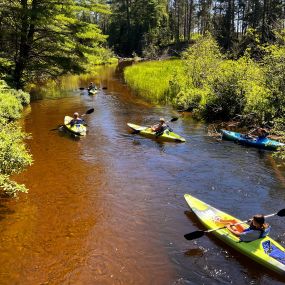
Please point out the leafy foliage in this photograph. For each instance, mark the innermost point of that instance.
(207, 83)
(14, 156)
(41, 39)
(138, 26)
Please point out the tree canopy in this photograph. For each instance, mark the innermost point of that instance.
(141, 25)
(47, 38)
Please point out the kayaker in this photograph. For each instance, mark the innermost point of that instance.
(76, 119)
(92, 86)
(261, 133)
(257, 229)
(160, 127)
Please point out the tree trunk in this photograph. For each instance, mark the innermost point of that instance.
(26, 40)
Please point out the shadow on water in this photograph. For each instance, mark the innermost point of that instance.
(4, 210)
(64, 133)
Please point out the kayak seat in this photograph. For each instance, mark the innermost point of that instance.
(274, 251)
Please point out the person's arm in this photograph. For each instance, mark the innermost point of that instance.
(235, 232)
(70, 122)
(252, 131)
(154, 128)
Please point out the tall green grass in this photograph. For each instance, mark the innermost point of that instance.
(151, 79)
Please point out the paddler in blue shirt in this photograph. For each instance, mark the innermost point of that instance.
(257, 229)
(261, 133)
(76, 120)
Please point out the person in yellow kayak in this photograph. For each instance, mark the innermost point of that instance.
(257, 228)
(160, 127)
(76, 119)
(92, 86)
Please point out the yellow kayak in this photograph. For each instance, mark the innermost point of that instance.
(76, 129)
(92, 91)
(147, 132)
(264, 250)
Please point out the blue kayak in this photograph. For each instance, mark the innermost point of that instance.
(244, 139)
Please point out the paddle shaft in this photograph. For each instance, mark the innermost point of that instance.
(242, 222)
(169, 121)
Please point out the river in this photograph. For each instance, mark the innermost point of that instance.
(109, 208)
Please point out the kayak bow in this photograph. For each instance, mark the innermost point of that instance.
(265, 251)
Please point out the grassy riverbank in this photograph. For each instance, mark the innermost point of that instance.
(216, 88)
(151, 79)
(14, 156)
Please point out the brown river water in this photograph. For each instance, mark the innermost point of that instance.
(109, 208)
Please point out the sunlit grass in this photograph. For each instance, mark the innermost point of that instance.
(151, 79)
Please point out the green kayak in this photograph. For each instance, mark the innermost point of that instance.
(265, 250)
(76, 129)
(147, 132)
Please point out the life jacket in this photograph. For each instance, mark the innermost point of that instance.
(76, 121)
(163, 128)
(265, 232)
(262, 233)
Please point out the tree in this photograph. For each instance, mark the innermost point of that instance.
(137, 24)
(47, 38)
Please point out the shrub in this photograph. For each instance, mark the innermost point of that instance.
(14, 156)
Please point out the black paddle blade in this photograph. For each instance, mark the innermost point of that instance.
(89, 111)
(194, 235)
(81, 88)
(174, 119)
(281, 213)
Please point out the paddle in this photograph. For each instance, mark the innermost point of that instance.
(86, 113)
(83, 88)
(198, 234)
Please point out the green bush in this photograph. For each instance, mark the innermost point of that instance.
(14, 156)
(10, 106)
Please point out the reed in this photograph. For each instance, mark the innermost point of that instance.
(151, 79)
